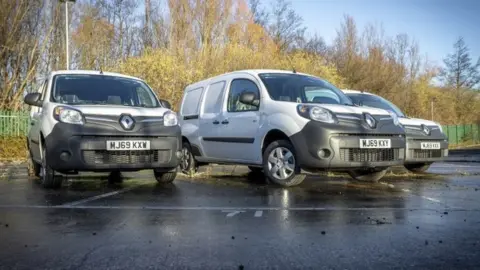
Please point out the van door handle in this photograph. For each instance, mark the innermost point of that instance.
(225, 122)
(216, 122)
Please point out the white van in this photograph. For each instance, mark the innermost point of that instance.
(426, 142)
(283, 121)
(86, 120)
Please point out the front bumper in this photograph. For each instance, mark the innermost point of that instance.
(83, 148)
(343, 144)
(415, 154)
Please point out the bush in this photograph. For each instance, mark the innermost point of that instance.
(169, 72)
(13, 148)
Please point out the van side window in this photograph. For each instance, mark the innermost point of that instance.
(190, 104)
(214, 97)
(237, 87)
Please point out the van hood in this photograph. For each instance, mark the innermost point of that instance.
(118, 110)
(416, 122)
(353, 109)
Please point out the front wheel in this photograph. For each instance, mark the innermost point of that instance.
(115, 177)
(255, 169)
(165, 177)
(48, 178)
(33, 167)
(187, 163)
(367, 175)
(280, 164)
(417, 167)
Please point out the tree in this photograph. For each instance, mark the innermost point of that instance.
(286, 27)
(460, 75)
(459, 72)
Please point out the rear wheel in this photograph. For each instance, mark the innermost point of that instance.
(48, 178)
(165, 177)
(418, 167)
(280, 164)
(187, 163)
(367, 175)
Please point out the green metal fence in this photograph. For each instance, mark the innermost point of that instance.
(463, 134)
(14, 124)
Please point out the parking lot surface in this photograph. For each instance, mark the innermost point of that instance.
(226, 218)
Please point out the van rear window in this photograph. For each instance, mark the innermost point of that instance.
(191, 101)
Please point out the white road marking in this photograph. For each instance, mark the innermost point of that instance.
(232, 213)
(94, 198)
(258, 213)
(229, 209)
(431, 199)
(449, 165)
(406, 190)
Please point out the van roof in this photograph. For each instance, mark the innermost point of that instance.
(92, 72)
(243, 71)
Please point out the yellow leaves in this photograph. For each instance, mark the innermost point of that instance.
(168, 72)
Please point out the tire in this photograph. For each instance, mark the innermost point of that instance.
(188, 164)
(255, 169)
(115, 177)
(417, 167)
(367, 176)
(165, 177)
(48, 178)
(283, 175)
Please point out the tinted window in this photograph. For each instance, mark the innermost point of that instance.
(237, 87)
(214, 98)
(302, 89)
(191, 101)
(375, 102)
(102, 90)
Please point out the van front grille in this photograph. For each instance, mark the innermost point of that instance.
(125, 157)
(371, 155)
(419, 153)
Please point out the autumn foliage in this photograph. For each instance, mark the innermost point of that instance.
(173, 45)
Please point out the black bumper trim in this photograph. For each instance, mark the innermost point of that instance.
(66, 138)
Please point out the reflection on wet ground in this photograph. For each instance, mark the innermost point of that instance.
(231, 218)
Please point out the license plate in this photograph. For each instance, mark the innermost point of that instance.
(128, 145)
(430, 145)
(375, 143)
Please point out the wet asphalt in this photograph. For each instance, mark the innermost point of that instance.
(225, 218)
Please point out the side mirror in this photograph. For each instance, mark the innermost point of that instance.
(249, 98)
(165, 104)
(33, 99)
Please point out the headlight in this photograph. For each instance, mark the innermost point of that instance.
(170, 119)
(439, 127)
(68, 115)
(316, 113)
(395, 118)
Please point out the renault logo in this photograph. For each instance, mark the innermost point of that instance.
(127, 122)
(370, 120)
(426, 130)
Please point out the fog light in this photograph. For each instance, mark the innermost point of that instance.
(179, 154)
(323, 153)
(65, 156)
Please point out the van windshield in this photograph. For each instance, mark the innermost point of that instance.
(302, 89)
(375, 102)
(79, 89)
